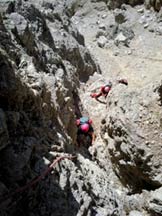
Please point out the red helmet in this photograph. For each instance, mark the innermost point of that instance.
(107, 89)
(85, 127)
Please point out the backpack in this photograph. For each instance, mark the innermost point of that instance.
(83, 120)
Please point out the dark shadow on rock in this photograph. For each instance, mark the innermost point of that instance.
(72, 204)
(103, 102)
(160, 94)
(84, 141)
(77, 105)
(134, 180)
(44, 195)
(58, 201)
(26, 131)
(94, 212)
(112, 4)
(84, 152)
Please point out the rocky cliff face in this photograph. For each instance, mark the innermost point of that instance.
(133, 125)
(42, 60)
(46, 75)
(156, 4)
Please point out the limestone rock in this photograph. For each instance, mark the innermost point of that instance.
(101, 41)
(156, 4)
(128, 131)
(112, 4)
(102, 26)
(123, 37)
(155, 202)
(42, 60)
(120, 38)
(120, 17)
(135, 213)
(83, 190)
(44, 65)
(141, 10)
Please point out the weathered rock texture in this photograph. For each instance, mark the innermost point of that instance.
(156, 4)
(43, 63)
(117, 3)
(134, 136)
(42, 59)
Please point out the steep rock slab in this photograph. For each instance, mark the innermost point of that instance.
(43, 57)
(78, 188)
(155, 202)
(51, 45)
(133, 133)
(112, 4)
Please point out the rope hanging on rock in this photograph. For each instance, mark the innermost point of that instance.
(39, 178)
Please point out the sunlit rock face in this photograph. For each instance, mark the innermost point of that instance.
(134, 135)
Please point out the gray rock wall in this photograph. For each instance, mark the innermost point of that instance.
(156, 4)
(134, 136)
(112, 4)
(42, 60)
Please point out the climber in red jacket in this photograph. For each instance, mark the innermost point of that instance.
(104, 91)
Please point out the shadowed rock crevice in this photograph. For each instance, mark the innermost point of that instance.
(112, 4)
(160, 94)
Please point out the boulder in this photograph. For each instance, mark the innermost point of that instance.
(101, 41)
(120, 16)
(121, 39)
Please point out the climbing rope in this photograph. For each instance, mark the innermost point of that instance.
(34, 181)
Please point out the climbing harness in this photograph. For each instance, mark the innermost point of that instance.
(40, 177)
